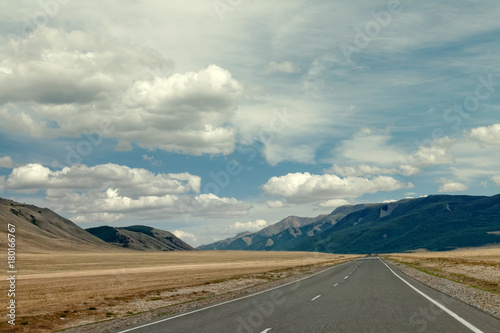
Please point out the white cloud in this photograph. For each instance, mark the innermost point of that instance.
(304, 187)
(496, 179)
(78, 80)
(451, 186)
(108, 201)
(275, 153)
(106, 191)
(281, 133)
(409, 170)
(275, 204)
(145, 207)
(58, 67)
(371, 146)
(283, 67)
(210, 205)
(486, 134)
(123, 146)
(97, 217)
(434, 155)
(6, 162)
(333, 203)
(185, 236)
(370, 170)
(360, 170)
(125, 180)
(248, 226)
(475, 156)
(152, 160)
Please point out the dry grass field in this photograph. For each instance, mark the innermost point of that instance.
(58, 290)
(479, 268)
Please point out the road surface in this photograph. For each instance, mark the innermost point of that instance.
(365, 295)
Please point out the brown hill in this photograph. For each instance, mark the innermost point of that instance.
(41, 230)
(140, 238)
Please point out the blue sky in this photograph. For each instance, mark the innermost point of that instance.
(209, 118)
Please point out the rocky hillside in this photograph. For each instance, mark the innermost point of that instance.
(140, 238)
(247, 240)
(289, 227)
(39, 229)
(436, 222)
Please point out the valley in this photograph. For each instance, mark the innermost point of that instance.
(60, 290)
(69, 276)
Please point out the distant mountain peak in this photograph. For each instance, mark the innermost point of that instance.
(435, 222)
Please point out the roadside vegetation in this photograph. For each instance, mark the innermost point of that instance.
(477, 268)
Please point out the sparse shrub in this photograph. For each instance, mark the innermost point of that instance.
(92, 308)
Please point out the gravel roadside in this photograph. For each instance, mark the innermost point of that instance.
(161, 313)
(483, 300)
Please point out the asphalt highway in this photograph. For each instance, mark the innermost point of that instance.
(365, 295)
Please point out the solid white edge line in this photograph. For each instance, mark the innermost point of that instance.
(442, 307)
(230, 301)
(315, 298)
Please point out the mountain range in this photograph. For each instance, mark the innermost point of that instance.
(435, 222)
(41, 230)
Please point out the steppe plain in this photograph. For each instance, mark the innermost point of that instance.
(63, 289)
(57, 290)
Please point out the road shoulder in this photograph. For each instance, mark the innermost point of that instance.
(485, 301)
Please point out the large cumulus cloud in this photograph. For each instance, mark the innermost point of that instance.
(306, 187)
(58, 83)
(110, 191)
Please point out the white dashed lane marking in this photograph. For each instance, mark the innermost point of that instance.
(266, 330)
(315, 298)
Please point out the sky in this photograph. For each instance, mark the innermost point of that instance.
(207, 118)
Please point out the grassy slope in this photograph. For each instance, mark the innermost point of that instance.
(478, 268)
(40, 229)
(436, 223)
(141, 238)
